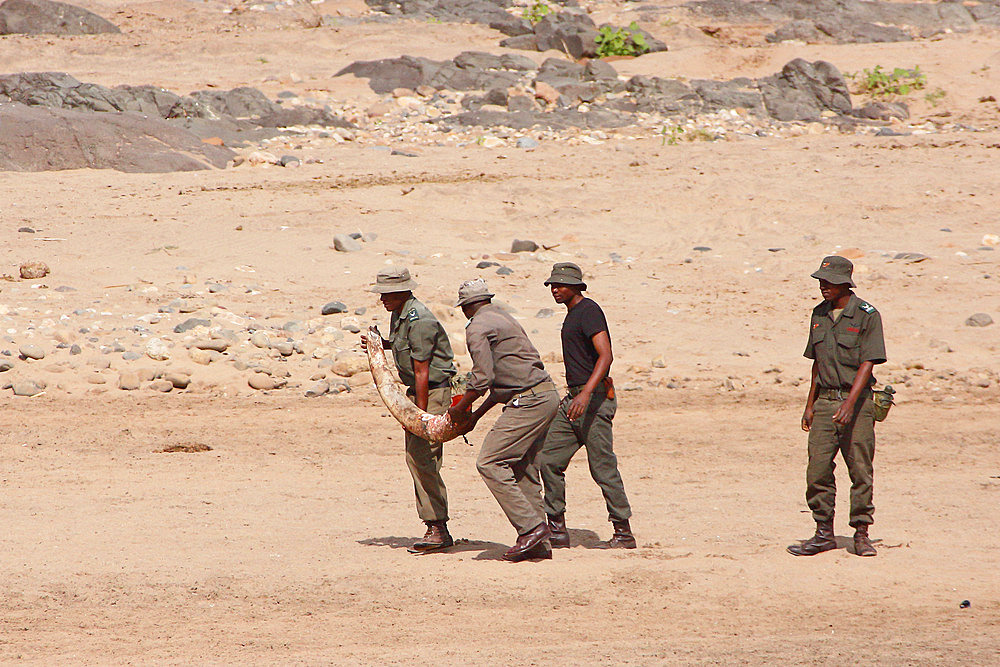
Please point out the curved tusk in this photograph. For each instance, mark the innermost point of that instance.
(433, 428)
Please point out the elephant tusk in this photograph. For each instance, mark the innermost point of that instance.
(433, 428)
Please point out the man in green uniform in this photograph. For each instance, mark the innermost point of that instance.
(586, 413)
(424, 360)
(507, 366)
(845, 344)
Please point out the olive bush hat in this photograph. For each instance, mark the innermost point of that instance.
(393, 279)
(835, 269)
(566, 273)
(472, 291)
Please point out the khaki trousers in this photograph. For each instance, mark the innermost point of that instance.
(593, 431)
(507, 460)
(424, 461)
(856, 443)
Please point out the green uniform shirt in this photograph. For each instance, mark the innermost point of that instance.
(840, 347)
(415, 334)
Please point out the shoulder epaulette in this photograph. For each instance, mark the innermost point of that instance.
(413, 315)
(867, 307)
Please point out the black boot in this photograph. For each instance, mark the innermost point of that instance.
(437, 537)
(623, 538)
(560, 534)
(823, 540)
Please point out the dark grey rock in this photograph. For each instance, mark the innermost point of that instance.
(701, 248)
(883, 111)
(979, 320)
(192, 323)
(289, 161)
(526, 143)
(360, 311)
(333, 308)
(568, 32)
(545, 313)
(36, 17)
(486, 264)
(505, 271)
(803, 90)
(523, 245)
(737, 93)
(75, 349)
(524, 103)
(513, 61)
(26, 230)
(131, 355)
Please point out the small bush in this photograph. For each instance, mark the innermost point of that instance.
(621, 41)
(536, 12)
(881, 83)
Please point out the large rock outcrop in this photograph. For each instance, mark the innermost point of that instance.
(38, 17)
(34, 138)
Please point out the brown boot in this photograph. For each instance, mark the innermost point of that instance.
(862, 545)
(533, 545)
(823, 540)
(622, 539)
(560, 534)
(437, 537)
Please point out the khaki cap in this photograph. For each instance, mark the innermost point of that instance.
(472, 291)
(835, 269)
(566, 273)
(393, 279)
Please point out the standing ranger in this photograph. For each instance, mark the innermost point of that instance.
(507, 365)
(424, 360)
(585, 414)
(845, 344)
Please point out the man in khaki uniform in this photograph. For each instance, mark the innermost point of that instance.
(508, 366)
(845, 344)
(425, 363)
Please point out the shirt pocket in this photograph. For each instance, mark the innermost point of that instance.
(848, 352)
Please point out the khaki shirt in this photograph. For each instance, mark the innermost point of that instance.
(503, 359)
(415, 334)
(840, 347)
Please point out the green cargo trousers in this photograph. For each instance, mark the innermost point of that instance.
(856, 443)
(507, 460)
(424, 461)
(565, 438)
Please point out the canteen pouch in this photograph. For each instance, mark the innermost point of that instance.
(882, 401)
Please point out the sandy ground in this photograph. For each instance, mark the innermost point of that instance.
(284, 542)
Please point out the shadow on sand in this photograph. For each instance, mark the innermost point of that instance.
(488, 550)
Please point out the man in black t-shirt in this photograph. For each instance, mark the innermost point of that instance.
(585, 414)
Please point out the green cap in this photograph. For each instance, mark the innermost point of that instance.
(393, 279)
(835, 269)
(566, 273)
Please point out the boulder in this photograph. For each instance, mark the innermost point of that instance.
(803, 90)
(38, 17)
(43, 139)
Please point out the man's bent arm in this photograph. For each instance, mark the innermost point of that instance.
(421, 389)
(862, 380)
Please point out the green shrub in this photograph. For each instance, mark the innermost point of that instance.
(537, 12)
(621, 41)
(881, 83)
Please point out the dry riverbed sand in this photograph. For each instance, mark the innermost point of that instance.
(222, 523)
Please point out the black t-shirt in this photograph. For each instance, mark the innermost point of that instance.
(582, 322)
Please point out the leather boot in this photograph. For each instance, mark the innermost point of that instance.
(532, 545)
(560, 534)
(823, 540)
(862, 545)
(623, 538)
(437, 537)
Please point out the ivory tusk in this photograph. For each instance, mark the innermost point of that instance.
(433, 428)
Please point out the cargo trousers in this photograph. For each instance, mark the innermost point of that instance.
(856, 443)
(424, 460)
(592, 430)
(507, 459)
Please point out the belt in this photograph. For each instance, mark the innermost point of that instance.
(605, 386)
(539, 388)
(834, 394)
